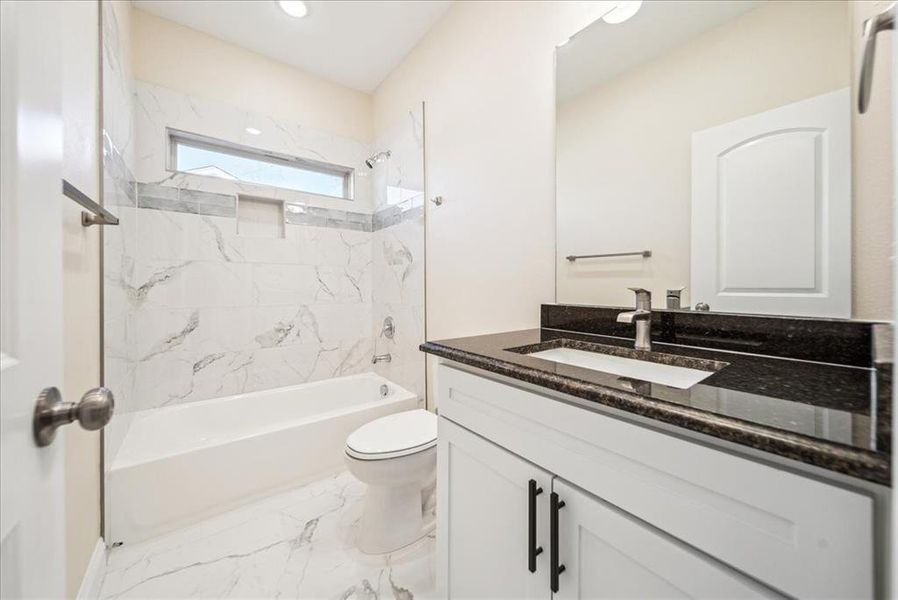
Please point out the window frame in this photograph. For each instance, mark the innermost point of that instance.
(176, 137)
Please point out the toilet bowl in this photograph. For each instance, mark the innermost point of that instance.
(396, 457)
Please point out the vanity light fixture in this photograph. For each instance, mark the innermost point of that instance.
(253, 131)
(623, 11)
(294, 8)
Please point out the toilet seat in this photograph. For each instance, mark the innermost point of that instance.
(399, 434)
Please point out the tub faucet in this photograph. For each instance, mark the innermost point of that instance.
(642, 316)
(377, 358)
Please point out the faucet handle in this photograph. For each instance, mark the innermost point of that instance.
(643, 298)
(673, 297)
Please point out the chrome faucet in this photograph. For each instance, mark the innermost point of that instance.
(377, 358)
(642, 316)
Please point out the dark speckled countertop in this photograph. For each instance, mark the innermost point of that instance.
(814, 412)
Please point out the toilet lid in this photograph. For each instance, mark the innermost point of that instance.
(398, 434)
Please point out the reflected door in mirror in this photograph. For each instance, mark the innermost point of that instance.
(771, 211)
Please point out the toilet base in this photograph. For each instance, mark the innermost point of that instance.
(392, 518)
(398, 506)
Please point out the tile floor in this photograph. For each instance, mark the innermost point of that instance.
(298, 544)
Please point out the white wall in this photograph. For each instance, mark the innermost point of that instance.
(486, 73)
(624, 147)
(177, 57)
(81, 283)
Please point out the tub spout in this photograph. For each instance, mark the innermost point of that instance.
(377, 358)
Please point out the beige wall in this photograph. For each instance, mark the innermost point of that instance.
(486, 74)
(184, 59)
(873, 176)
(81, 284)
(624, 147)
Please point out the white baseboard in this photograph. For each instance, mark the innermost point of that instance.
(93, 576)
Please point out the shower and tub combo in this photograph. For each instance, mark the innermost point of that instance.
(261, 335)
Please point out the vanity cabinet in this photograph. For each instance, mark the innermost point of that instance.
(486, 544)
(644, 514)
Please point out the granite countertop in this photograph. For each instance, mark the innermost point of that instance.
(814, 412)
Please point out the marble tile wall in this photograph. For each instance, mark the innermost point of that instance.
(211, 313)
(157, 108)
(197, 311)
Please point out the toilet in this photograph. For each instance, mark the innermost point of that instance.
(396, 457)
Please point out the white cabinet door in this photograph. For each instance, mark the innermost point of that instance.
(483, 523)
(607, 553)
(771, 211)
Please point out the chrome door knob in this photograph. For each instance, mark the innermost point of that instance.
(93, 411)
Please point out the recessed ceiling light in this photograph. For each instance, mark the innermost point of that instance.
(294, 8)
(253, 131)
(623, 11)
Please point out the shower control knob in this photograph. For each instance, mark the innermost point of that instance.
(93, 411)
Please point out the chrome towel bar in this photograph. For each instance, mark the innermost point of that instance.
(97, 215)
(642, 253)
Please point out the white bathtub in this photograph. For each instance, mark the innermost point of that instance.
(179, 464)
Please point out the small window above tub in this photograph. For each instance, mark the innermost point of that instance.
(210, 157)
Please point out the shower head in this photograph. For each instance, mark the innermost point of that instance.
(378, 158)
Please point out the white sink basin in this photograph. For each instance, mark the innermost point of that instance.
(678, 377)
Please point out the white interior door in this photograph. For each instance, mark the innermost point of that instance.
(771, 211)
(32, 555)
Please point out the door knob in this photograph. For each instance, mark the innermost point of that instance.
(93, 411)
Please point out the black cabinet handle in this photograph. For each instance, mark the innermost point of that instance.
(532, 549)
(555, 569)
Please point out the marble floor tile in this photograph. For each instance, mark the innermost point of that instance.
(298, 544)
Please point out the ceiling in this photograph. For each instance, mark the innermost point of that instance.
(353, 43)
(602, 51)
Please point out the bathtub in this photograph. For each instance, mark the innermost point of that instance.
(180, 464)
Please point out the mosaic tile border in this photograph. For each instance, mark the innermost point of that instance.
(161, 197)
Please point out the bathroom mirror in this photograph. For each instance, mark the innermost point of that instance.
(712, 153)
